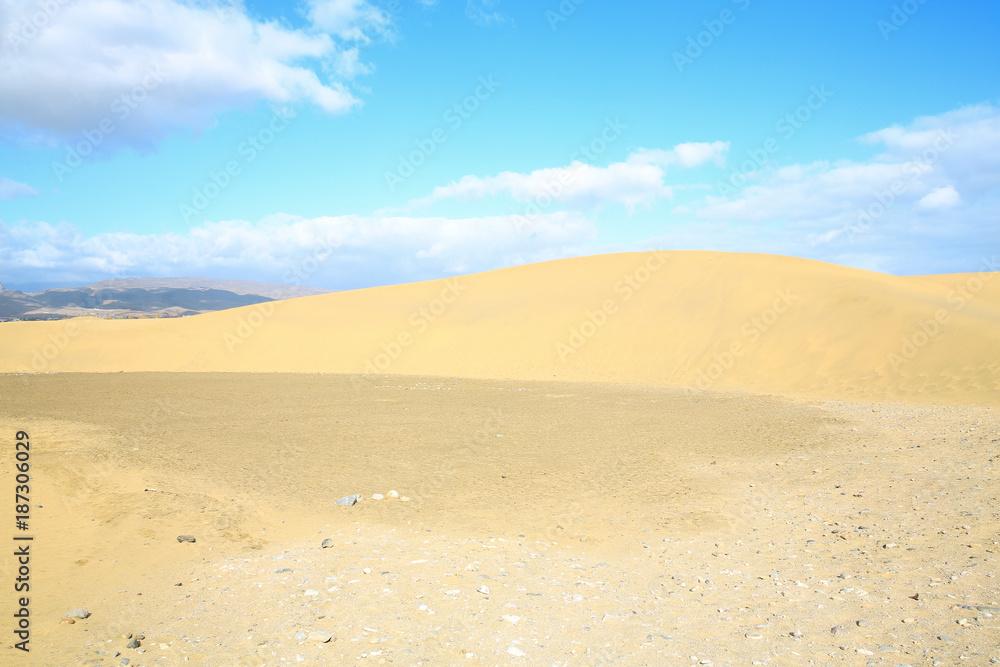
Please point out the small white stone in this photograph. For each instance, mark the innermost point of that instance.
(320, 636)
(511, 619)
(393, 494)
(516, 652)
(485, 590)
(404, 499)
(378, 496)
(311, 592)
(367, 570)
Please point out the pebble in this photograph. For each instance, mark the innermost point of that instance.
(321, 636)
(326, 544)
(186, 538)
(348, 500)
(511, 619)
(754, 635)
(516, 652)
(282, 570)
(796, 633)
(69, 621)
(133, 644)
(311, 592)
(863, 651)
(838, 630)
(301, 636)
(378, 496)
(393, 494)
(404, 499)
(77, 613)
(863, 623)
(485, 590)
(124, 662)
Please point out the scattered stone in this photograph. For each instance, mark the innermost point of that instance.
(378, 496)
(283, 570)
(348, 500)
(301, 636)
(838, 630)
(185, 538)
(484, 589)
(511, 619)
(126, 635)
(124, 662)
(312, 592)
(863, 651)
(133, 644)
(796, 633)
(516, 652)
(404, 499)
(77, 613)
(326, 544)
(393, 494)
(863, 623)
(69, 621)
(888, 649)
(321, 636)
(909, 620)
(754, 635)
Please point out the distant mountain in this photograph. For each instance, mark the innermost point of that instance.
(144, 297)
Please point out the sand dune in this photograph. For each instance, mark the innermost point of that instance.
(699, 319)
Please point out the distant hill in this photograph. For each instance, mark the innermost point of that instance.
(144, 297)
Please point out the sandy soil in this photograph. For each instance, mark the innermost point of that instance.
(758, 323)
(611, 523)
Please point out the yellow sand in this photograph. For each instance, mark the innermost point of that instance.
(761, 323)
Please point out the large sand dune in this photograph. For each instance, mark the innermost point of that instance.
(708, 320)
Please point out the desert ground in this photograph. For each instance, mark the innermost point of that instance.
(643, 499)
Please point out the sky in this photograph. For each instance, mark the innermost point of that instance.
(352, 143)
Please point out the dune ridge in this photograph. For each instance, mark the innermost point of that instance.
(707, 320)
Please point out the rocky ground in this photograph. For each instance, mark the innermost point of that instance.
(857, 534)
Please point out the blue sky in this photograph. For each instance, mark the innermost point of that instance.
(344, 143)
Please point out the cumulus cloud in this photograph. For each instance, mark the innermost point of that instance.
(169, 64)
(12, 189)
(639, 181)
(945, 197)
(336, 252)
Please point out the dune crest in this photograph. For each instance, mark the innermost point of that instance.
(707, 320)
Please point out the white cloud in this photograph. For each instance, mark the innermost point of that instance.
(159, 65)
(639, 181)
(946, 197)
(12, 189)
(686, 155)
(483, 12)
(898, 211)
(336, 252)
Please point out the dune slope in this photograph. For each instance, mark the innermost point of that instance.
(701, 319)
